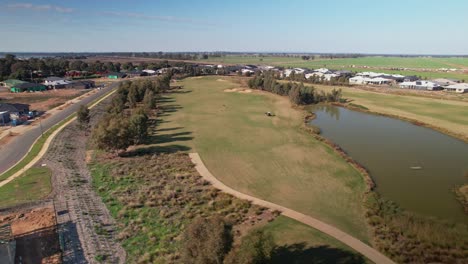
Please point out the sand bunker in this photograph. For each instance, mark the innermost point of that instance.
(238, 90)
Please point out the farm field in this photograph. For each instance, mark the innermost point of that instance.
(445, 114)
(371, 61)
(234, 138)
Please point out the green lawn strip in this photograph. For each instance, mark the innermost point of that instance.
(34, 184)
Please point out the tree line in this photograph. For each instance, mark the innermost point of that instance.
(298, 93)
(127, 119)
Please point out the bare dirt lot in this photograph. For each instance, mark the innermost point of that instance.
(41, 101)
(35, 234)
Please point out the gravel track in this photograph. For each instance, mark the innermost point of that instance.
(87, 229)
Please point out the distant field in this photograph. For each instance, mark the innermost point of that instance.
(254, 60)
(267, 157)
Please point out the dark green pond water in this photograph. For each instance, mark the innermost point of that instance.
(388, 148)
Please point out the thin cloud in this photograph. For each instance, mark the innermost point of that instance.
(34, 7)
(159, 18)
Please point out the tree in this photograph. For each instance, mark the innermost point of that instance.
(149, 100)
(112, 134)
(138, 125)
(132, 97)
(256, 248)
(82, 115)
(206, 241)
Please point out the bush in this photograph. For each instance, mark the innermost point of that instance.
(206, 241)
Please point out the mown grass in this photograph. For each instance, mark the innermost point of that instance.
(34, 184)
(267, 157)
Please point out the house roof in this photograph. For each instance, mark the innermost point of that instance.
(458, 86)
(54, 78)
(27, 85)
(11, 82)
(13, 107)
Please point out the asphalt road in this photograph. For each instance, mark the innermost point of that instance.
(16, 148)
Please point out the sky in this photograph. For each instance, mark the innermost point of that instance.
(339, 26)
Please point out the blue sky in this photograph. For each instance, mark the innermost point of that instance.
(362, 26)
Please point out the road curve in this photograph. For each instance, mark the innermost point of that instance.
(18, 147)
(345, 238)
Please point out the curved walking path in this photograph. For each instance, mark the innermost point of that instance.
(345, 238)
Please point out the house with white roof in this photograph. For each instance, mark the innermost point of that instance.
(150, 72)
(56, 82)
(458, 88)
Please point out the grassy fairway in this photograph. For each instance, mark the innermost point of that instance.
(448, 115)
(33, 185)
(267, 157)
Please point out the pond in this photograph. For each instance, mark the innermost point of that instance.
(414, 166)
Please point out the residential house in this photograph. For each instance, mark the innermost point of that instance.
(360, 80)
(287, 72)
(411, 78)
(55, 82)
(150, 72)
(4, 117)
(445, 82)
(82, 84)
(458, 88)
(322, 70)
(356, 80)
(14, 111)
(27, 87)
(421, 85)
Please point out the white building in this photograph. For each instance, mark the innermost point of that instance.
(288, 72)
(421, 85)
(322, 70)
(55, 82)
(357, 80)
(150, 72)
(458, 88)
(366, 80)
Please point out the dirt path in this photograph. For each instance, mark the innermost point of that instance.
(86, 227)
(352, 242)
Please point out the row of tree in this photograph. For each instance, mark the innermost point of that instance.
(127, 119)
(30, 69)
(298, 93)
